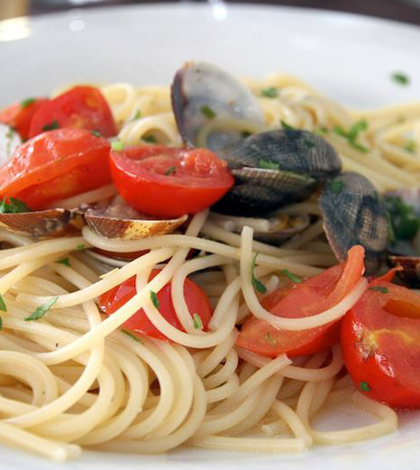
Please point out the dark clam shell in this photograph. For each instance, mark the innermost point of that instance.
(43, 224)
(410, 274)
(258, 191)
(354, 215)
(201, 92)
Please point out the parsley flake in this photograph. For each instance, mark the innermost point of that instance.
(51, 126)
(154, 299)
(270, 92)
(269, 338)
(137, 115)
(322, 130)
(14, 206)
(291, 276)
(400, 78)
(3, 307)
(208, 112)
(170, 171)
(335, 186)
(287, 126)
(96, 133)
(117, 145)
(64, 261)
(131, 335)
(382, 290)
(27, 102)
(309, 144)
(258, 285)
(402, 218)
(353, 134)
(364, 386)
(198, 324)
(245, 134)
(410, 146)
(80, 247)
(266, 165)
(150, 139)
(41, 310)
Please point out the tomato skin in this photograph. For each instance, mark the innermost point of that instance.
(82, 107)
(198, 180)
(381, 346)
(56, 165)
(19, 117)
(195, 298)
(302, 300)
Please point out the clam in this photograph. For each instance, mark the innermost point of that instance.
(275, 168)
(354, 215)
(204, 94)
(410, 274)
(118, 220)
(9, 140)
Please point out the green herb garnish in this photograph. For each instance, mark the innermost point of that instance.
(131, 335)
(208, 112)
(170, 171)
(270, 92)
(335, 186)
(364, 386)
(291, 276)
(400, 78)
(353, 134)
(137, 115)
(51, 126)
(287, 126)
(80, 247)
(27, 102)
(198, 324)
(269, 338)
(96, 133)
(41, 310)
(322, 130)
(64, 261)
(258, 285)
(308, 144)
(14, 206)
(410, 146)
(117, 145)
(245, 134)
(154, 299)
(402, 218)
(150, 139)
(3, 307)
(382, 290)
(266, 165)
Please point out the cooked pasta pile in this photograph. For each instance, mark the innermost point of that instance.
(75, 378)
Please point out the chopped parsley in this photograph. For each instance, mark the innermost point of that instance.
(322, 130)
(245, 134)
(335, 186)
(208, 112)
(382, 290)
(14, 206)
(258, 285)
(402, 218)
(41, 310)
(137, 115)
(410, 146)
(400, 78)
(80, 247)
(270, 92)
(364, 386)
(117, 145)
(287, 126)
(3, 307)
(154, 299)
(170, 171)
(131, 335)
(51, 126)
(27, 102)
(64, 261)
(353, 134)
(96, 133)
(309, 144)
(198, 324)
(150, 139)
(291, 276)
(269, 338)
(266, 165)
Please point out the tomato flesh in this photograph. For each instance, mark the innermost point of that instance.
(56, 165)
(195, 298)
(82, 107)
(309, 298)
(169, 182)
(19, 115)
(380, 338)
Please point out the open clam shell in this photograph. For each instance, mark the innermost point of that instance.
(410, 274)
(354, 215)
(47, 223)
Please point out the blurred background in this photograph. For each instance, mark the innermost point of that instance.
(400, 10)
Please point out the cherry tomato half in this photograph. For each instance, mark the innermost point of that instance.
(195, 298)
(309, 298)
(380, 338)
(169, 182)
(82, 107)
(56, 165)
(19, 115)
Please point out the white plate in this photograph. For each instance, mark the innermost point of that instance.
(347, 57)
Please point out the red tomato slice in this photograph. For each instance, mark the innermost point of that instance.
(82, 107)
(56, 165)
(169, 182)
(19, 115)
(195, 298)
(380, 338)
(303, 300)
